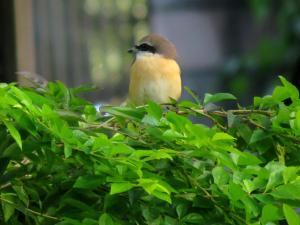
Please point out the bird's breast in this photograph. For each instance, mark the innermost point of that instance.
(154, 78)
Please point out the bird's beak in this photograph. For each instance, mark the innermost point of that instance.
(132, 50)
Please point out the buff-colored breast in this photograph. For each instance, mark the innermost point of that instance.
(154, 78)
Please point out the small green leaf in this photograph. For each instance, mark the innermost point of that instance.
(287, 191)
(154, 110)
(69, 221)
(120, 148)
(280, 93)
(120, 187)
(88, 221)
(297, 120)
(89, 182)
(14, 133)
(67, 150)
(275, 178)
(156, 188)
(258, 135)
(125, 112)
(290, 173)
(7, 206)
(106, 219)
(22, 195)
(192, 94)
(221, 177)
(194, 218)
(162, 195)
(291, 216)
(270, 213)
(235, 191)
(181, 210)
(220, 136)
(219, 97)
(188, 104)
(293, 91)
(172, 135)
(247, 158)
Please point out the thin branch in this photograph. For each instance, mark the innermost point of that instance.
(204, 113)
(234, 111)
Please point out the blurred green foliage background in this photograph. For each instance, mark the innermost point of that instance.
(255, 72)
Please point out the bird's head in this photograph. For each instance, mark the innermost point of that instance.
(154, 44)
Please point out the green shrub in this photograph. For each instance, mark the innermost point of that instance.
(62, 162)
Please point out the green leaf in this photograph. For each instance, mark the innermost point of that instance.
(235, 191)
(293, 91)
(22, 195)
(38, 99)
(193, 218)
(297, 120)
(14, 133)
(89, 181)
(193, 95)
(69, 221)
(280, 93)
(106, 219)
(258, 135)
(246, 158)
(181, 210)
(120, 187)
(7, 206)
(220, 136)
(290, 173)
(170, 221)
(154, 110)
(125, 112)
(275, 178)
(67, 150)
(219, 97)
(188, 104)
(162, 195)
(120, 148)
(156, 188)
(88, 221)
(287, 191)
(270, 213)
(220, 176)
(24, 121)
(172, 135)
(291, 216)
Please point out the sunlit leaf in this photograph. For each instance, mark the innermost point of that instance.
(14, 132)
(291, 216)
(120, 187)
(219, 97)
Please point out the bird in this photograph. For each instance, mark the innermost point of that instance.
(154, 74)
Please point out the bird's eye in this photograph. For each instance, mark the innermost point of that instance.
(146, 48)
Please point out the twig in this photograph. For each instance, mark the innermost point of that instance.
(204, 113)
(234, 111)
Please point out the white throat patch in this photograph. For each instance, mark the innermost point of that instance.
(141, 54)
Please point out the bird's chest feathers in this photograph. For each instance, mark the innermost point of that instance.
(155, 77)
(154, 69)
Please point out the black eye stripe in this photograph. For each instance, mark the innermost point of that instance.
(146, 48)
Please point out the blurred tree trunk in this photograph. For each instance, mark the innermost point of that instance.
(7, 42)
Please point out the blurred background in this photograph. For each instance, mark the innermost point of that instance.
(237, 46)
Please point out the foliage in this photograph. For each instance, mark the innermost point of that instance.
(62, 162)
(278, 51)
